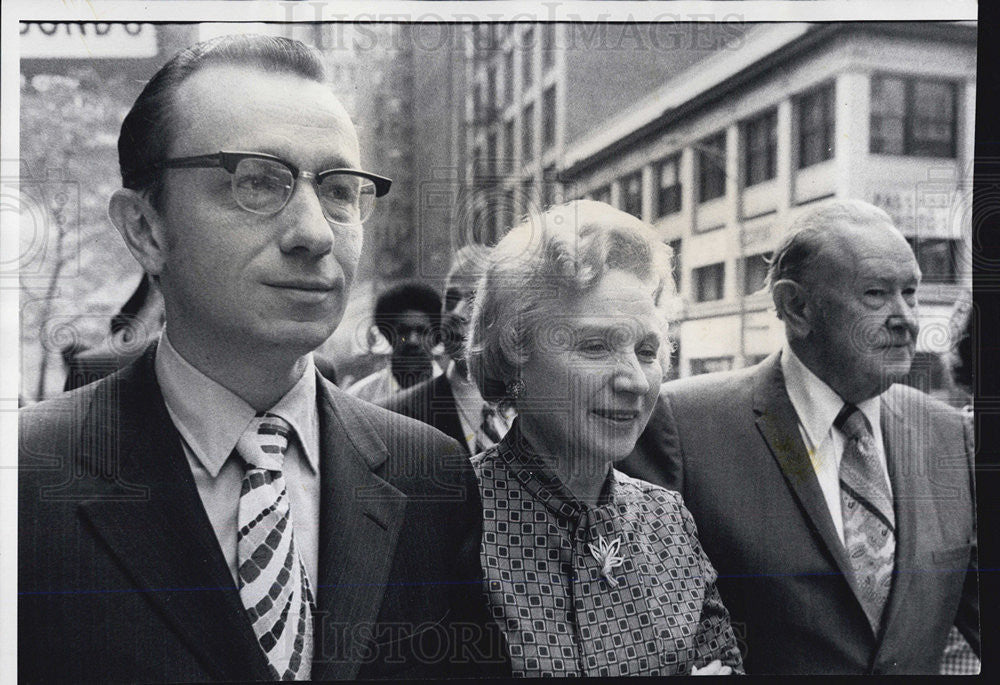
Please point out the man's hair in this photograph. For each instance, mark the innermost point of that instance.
(149, 127)
(795, 254)
(547, 258)
(391, 304)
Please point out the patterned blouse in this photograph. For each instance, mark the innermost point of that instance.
(623, 588)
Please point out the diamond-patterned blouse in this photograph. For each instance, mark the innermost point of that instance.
(623, 588)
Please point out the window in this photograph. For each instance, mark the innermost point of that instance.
(491, 154)
(675, 245)
(477, 104)
(549, 117)
(755, 272)
(527, 58)
(668, 197)
(528, 133)
(938, 259)
(508, 144)
(602, 194)
(631, 195)
(816, 121)
(712, 167)
(478, 165)
(760, 148)
(550, 186)
(491, 87)
(508, 77)
(914, 117)
(710, 365)
(709, 282)
(548, 46)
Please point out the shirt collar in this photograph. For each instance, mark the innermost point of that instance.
(211, 418)
(815, 402)
(540, 479)
(464, 390)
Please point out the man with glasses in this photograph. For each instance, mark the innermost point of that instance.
(216, 510)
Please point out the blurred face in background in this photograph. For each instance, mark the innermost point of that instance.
(412, 339)
(593, 374)
(455, 319)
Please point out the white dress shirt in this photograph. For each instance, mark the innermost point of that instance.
(817, 405)
(381, 385)
(210, 419)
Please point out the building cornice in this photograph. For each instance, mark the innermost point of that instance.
(592, 152)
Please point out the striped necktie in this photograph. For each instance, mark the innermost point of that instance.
(866, 508)
(272, 579)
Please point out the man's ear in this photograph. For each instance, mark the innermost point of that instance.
(141, 227)
(794, 308)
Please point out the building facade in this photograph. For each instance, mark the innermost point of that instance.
(722, 158)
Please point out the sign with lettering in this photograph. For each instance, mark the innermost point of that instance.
(87, 40)
(922, 214)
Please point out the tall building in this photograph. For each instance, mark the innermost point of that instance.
(536, 89)
(724, 156)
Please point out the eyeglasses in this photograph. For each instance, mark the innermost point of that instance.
(263, 184)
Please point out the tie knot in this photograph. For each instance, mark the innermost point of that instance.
(852, 422)
(264, 442)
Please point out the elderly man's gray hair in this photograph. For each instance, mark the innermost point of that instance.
(794, 256)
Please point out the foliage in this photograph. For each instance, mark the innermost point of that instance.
(73, 264)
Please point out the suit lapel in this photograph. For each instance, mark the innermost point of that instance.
(165, 541)
(442, 401)
(905, 451)
(778, 423)
(360, 519)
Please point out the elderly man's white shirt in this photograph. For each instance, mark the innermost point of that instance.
(817, 405)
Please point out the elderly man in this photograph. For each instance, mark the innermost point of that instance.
(451, 402)
(836, 506)
(217, 510)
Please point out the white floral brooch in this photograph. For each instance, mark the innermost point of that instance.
(606, 554)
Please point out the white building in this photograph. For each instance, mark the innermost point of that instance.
(723, 156)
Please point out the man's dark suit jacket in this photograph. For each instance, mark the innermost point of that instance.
(730, 443)
(431, 402)
(121, 577)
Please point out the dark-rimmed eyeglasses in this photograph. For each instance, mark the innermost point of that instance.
(263, 184)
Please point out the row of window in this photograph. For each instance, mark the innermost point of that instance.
(938, 259)
(909, 116)
(486, 104)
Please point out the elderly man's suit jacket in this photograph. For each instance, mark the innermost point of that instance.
(730, 443)
(431, 402)
(121, 577)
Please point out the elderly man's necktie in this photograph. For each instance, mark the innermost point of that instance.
(866, 507)
(487, 435)
(272, 579)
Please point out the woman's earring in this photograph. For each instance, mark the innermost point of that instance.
(515, 388)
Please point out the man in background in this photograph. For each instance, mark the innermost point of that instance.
(406, 315)
(837, 506)
(451, 401)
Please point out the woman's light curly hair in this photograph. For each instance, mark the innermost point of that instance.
(541, 262)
